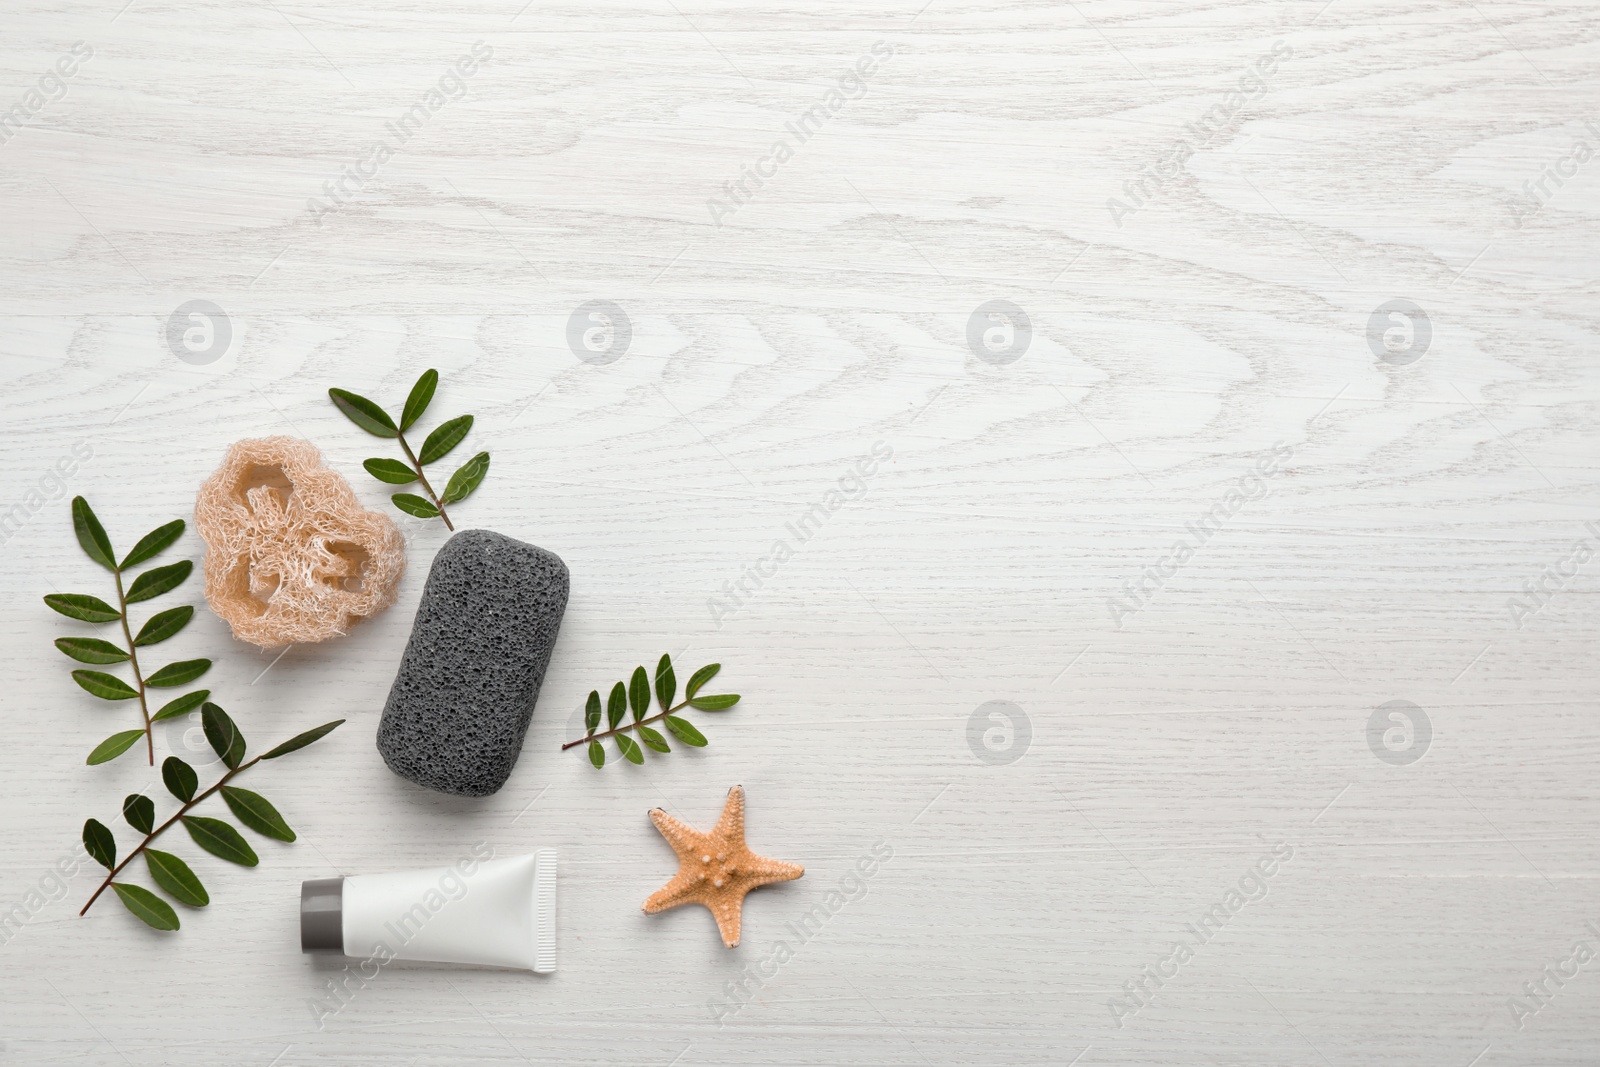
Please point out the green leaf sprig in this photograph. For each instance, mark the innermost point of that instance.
(159, 627)
(373, 419)
(636, 696)
(216, 836)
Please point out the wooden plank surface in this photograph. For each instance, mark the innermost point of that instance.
(1105, 631)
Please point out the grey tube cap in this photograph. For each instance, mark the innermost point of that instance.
(322, 915)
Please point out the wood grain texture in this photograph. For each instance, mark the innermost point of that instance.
(1222, 324)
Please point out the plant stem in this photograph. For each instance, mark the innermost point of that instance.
(133, 660)
(158, 831)
(423, 478)
(626, 726)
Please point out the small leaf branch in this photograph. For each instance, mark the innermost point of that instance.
(438, 444)
(635, 696)
(216, 836)
(159, 627)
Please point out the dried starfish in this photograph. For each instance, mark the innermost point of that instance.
(716, 869)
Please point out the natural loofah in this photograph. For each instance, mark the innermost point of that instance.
(291, 555)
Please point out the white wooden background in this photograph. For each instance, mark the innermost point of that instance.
(1169, 354)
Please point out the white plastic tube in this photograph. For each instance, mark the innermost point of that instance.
(496, 913)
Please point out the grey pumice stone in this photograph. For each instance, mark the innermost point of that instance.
(479, 647)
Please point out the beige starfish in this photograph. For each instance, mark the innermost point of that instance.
(716, 869)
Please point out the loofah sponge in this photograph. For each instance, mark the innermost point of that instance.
(482, 639)
(291, 555)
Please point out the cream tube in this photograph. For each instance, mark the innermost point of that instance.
(496, 913)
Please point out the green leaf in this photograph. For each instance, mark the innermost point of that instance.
(700, 678)
(468, 478)
(597, 754)
(256, 812)
(155, 582)
(721, 702)
(685, 731)
(591, 712)
(390, 470)
(113, 746)
(82, 606)
(140, 811)
(221, 840)
(182, 706)
(163, 625)
(91, 535)
(180, 778)
(153, 543)
(412, 504)
(639, 693)
(654, 739)
(146, 906)
(105, 686)
(364, 413)
(174, 875)
(444, 438)
(90, 650)
(300, 741)
(100, 843)
(616, 706)
(181, 673)
(630, 749)
(666, 682)
(421, 396)
(224, 735)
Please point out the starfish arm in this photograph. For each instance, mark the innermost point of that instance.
(684, 839)
(729, 919)
(683, 889)
(731, 825)
(763, 871)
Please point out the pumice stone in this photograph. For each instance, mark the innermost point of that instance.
(471, 673)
